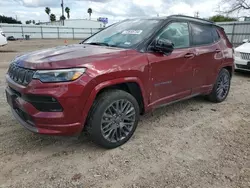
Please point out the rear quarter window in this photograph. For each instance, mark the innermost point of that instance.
(215, 34)
(201, 34)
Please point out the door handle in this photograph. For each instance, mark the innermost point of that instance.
(189, 55)
(217, 51)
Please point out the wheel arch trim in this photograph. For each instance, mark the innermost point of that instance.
(106, 84)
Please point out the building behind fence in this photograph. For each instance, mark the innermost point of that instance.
(236, 31)
(80, 23)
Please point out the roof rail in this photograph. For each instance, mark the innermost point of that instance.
(190, 17)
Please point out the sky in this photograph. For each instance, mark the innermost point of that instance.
(114, 10)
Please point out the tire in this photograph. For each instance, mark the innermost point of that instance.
(108, 124)
(221, 87)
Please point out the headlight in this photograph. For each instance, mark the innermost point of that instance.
(237, 54)
(61, 75)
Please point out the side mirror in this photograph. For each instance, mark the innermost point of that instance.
(245, 41)
(164, 46)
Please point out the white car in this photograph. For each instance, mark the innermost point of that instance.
(242, 56)
(3, 40)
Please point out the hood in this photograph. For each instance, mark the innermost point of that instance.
(245, 48)
(68, 56)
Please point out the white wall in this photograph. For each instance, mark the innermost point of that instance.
(76, 23)
(83, 23)
(44, 31)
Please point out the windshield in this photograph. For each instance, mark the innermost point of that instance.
(126, 34)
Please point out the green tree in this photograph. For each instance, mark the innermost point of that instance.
(221, 18)
(52, 17)
(28, 22)
(9, 20)
(34, 22)
(67, 10)
(62, 17)
(48, 11)
(90, 12)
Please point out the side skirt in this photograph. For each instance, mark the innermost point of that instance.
(178, 100)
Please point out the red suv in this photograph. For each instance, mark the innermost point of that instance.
(104, 83)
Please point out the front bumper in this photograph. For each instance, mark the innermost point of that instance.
(71, 96)
(242, 64)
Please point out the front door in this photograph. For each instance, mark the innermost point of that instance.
(171, 75)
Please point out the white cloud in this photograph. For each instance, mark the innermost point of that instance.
(113, 9)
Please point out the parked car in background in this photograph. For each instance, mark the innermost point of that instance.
(3, 40)
(11, 38)
(103, 84)
(242, 56)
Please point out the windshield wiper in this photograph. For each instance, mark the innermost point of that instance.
(99, 43)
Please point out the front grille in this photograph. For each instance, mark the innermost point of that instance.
(245, 56)
(20, 75)
(243, 66)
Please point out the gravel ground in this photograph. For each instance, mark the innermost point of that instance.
(191, 144)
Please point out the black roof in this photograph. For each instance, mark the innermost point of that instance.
(183, 17)
(189, 18)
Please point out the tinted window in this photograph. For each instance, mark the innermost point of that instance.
(201, 34)
(177, 33)
(215, 34)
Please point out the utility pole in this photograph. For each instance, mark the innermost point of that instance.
(62, 5)
(196, 14)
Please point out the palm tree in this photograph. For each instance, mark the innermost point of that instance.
(47, 10)
(67, 10)
(52, 17)
(90, 12)
(62, 17)
(28, 22)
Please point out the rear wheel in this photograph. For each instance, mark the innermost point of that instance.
(113, 118)
(221, 87)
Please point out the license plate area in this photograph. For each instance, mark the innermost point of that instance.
(11, 98)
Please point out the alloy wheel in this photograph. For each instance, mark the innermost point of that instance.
(223, 86)
(118, 120)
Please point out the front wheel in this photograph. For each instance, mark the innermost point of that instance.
(113, 118)
(221, 87)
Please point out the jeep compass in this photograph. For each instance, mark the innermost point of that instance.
(104, 84)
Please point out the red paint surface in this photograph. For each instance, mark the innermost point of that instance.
(161, 78)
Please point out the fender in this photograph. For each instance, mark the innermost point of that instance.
(108, 83)
(228, 64)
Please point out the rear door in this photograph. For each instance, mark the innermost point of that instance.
(205, 41)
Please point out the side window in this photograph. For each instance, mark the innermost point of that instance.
(178, 33)
(215, 34)
(201, 34)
